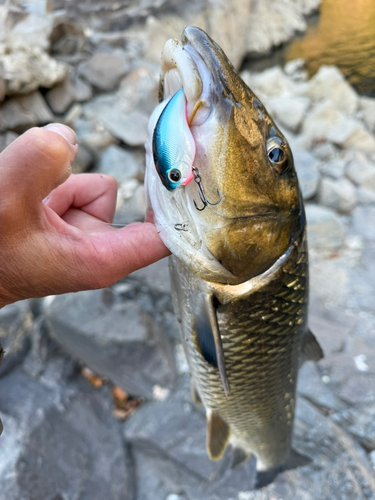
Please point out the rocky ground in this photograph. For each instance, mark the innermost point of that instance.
(94, 391)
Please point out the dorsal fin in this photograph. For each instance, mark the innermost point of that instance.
(218, 433)
(208, 336)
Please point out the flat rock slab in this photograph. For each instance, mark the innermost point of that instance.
(60, 441)
(115, 338)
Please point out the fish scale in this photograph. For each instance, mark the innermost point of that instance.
(262, 338)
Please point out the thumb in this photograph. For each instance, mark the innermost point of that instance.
(35, 164)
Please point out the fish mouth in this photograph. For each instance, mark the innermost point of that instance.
(182, 66)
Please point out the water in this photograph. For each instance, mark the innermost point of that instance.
(344, 36)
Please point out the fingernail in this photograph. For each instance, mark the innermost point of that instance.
(66, 132)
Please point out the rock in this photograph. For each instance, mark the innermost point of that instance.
(288, 111)
(61, 97)
(92, 134)
(120, 163)
(367, 107)
(104, 70)
(325, 230)
(311, 386)
(54, 431)
(26, 68)
(296, 69)
(365, 196)
(333, 168)
(139, 90)
(271, 82)
(359, 422)
(33, 31)
(307, 171)
(83, 161)
(361, 171)
(15, 327)
(338, 194)
(325, 151)
(82, 90)
(364, 222)
(157, 430)
(352, 135)
(21, 112)
(130, 128)
(119, 340)
(329, 83)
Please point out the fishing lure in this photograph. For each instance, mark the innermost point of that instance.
(173, 144)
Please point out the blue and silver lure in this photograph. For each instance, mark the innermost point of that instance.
(173, 144)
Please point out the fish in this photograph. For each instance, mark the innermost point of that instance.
(173, 144)
(239, 266)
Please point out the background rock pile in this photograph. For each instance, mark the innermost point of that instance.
(94, 390)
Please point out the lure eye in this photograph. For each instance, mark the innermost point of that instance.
(174, 175)
(276, 155)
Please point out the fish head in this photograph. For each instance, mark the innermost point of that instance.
(244, 209)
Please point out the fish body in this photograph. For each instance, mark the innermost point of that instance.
(173, 144)
(239, 269)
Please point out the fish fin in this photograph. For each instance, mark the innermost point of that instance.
(239, 456)
(218, 434)
(264, 478)
(208, 336)
(195, 394)
(311, 349)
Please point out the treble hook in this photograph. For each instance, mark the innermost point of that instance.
(202, 196)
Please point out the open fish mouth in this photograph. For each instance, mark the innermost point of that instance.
(183, 67)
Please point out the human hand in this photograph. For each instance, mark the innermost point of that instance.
(53, 236)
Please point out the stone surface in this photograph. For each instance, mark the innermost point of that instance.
(33, 31)
(329, 83)
(83, 161)
(367, 107)
(60, 441)
(158, 429)
(6, 139)
(115, 338)
(364, 222)
(307, 171)
(334, 167)
(26, 68)
(22, 112)
(61, 97)
(104, 70)
(130, 128)
(339, 194)
(325, 230)
(288, 111)
(360, 423)
(92, 134)
(361, 171)
(15, 325)
(120, 163)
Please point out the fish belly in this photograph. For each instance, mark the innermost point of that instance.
(262, 338)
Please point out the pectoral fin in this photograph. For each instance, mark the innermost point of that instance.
(311, 349)
(208, 336)
(218, 434)
(239, 456)
(195, 394)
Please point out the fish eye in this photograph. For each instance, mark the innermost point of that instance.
(174, 175)
(276, 151)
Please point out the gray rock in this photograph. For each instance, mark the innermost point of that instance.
(22, 112)
(333, 168)
(130, 128)
(82, 90)
(271, 82)
(339, 194)
(15, 327)
(120, 163)
(311, 386)
(139, 90)
(361, 171)
(307, 171)
(367, 107)
(288, 111)
(325, 230)
(365, 196)
(92, 134)
(26, 68)
(329, 83)
(364, 222)
(352, 135)
(359, 422)
(324, 151)
(61, 97)
(83, 161)
(59, 431)
(104, 70)
(119, 340)
(172, 434)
